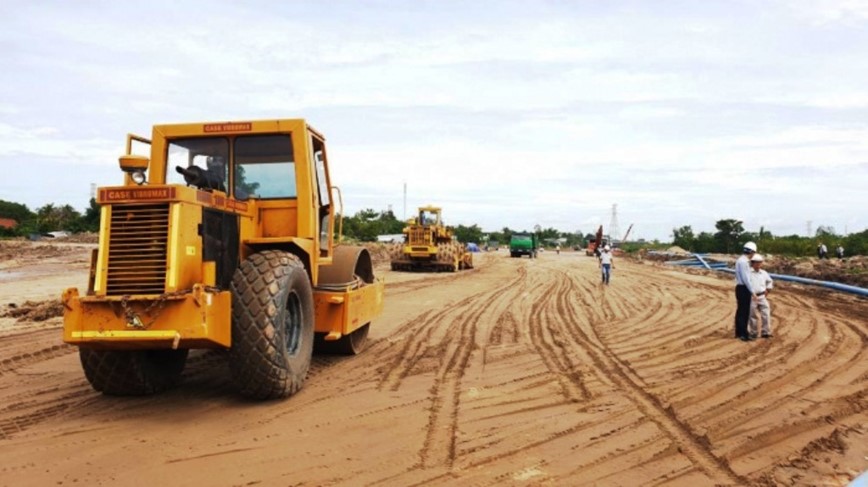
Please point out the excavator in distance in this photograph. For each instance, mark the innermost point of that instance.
(594, 244)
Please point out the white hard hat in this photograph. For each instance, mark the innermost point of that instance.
(606, 248)
(750, 246)
(757, 258)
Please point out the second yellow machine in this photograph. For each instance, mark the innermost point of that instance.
(430, 245)
(221, 238)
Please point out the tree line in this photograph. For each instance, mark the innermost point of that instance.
(48, 218)
(367, 224)
(731, 235)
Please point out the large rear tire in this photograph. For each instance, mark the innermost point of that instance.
(132, 372)
(272, 325)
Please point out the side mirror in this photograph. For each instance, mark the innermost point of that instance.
(135, 166)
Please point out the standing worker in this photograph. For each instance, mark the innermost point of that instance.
(606, 264)
(743, 292)
(761, 283)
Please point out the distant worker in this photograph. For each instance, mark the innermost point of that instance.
(606, 264)
(558, 249)
(823, 251)
(839, 251)
(761, 283)
(743, 292)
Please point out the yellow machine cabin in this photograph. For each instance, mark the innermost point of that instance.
(429, 245)
(221, 238)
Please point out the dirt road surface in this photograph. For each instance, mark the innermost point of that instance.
(518, 372)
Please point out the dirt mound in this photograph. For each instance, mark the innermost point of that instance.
(84, 237)
(379, 252)
(24, 251)
(852, 270)
(33, 310)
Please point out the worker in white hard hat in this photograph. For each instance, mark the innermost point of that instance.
(761, 283)
(743, 291)
(606, 264)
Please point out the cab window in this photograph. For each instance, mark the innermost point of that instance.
(264, 167)
(209, 154)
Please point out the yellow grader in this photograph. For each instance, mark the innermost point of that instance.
(429, 245)
(221, 239)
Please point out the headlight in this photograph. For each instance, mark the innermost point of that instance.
(138, 177)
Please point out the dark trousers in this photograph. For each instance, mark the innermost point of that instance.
(742, 312)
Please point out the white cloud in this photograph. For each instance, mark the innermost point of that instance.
(848, 12)
(666, 111)
(48, 142)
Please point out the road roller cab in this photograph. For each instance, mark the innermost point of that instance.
(221, 237)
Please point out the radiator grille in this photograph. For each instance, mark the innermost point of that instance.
(138, 242)
(420, 236)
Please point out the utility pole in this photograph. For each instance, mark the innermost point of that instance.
(809, 228)
(614, 229)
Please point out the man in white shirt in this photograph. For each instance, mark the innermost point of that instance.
(606, 264)
(761, 283)
(743, 292)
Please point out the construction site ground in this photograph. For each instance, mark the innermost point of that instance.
(517, 372)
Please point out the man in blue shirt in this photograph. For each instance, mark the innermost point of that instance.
(743, 292)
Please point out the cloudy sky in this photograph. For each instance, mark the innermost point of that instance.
(512, 113)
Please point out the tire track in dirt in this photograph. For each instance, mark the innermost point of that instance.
(790, 368)
(550, 348)
(606, 363)
(796, 362)
(55, 396)
(9, 365)
(36, 401)
(417, 337)
(28, 348)
(499, 445)
(834, 413)
(418, 334)
(458, 337)
(410, 285)
(453, 335)
(460, 340)
(13, 421)
(505, 329)
(797, 385)
(752, 385)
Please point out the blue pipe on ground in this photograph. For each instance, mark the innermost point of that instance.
(861, 291)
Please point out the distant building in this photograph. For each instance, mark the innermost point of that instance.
(8, 223)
